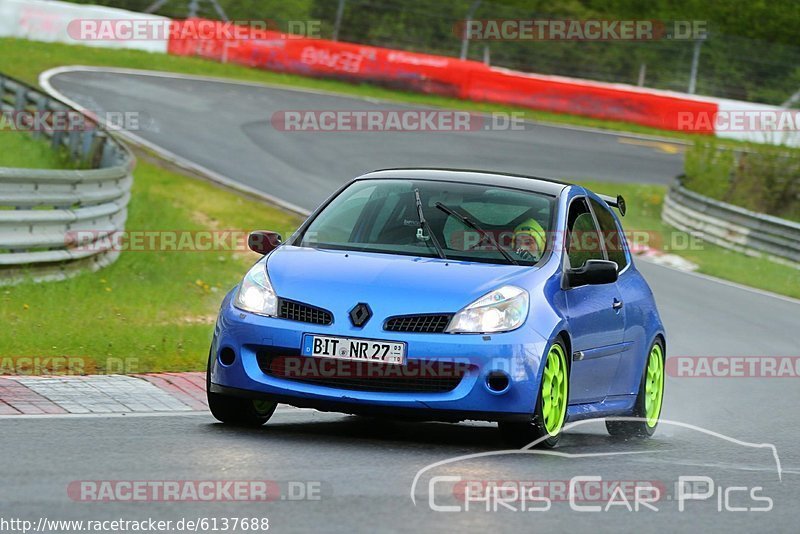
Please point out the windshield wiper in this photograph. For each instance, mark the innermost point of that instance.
(423, 225)
(472, 224)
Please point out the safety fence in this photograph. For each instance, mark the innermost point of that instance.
(42, 209)
(731, 226)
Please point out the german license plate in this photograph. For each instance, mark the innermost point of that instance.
(345, 348)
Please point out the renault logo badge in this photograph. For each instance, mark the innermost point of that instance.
(360, 314)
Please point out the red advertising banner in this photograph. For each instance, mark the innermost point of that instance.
(441, 75)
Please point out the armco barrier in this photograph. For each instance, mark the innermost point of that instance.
(731, 226)
(40, 209)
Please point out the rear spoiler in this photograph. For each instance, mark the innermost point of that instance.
(618, 203)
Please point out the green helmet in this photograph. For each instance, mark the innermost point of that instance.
(532, 228)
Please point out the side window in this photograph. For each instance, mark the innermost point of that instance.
(612, 239)
(584, 238)
(338, 228)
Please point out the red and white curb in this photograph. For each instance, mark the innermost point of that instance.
(103, 394)
(663, 258)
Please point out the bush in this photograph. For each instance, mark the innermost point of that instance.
(761, 178)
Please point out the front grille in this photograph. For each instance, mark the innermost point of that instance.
(428, 323)
(305, 313)
(361, 376)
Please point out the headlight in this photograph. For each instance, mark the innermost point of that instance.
(255, 293)
(499, 311)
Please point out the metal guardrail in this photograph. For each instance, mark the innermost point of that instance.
(732, 227)
(43, 211)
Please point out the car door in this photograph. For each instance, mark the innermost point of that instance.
(595, 313)
(635, 295)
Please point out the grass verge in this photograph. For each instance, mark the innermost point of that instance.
(27, 59)
(18, 150)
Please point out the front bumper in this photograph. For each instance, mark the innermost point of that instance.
(517, 354)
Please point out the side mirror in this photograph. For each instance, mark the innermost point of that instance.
(593, 272)
(263, 241)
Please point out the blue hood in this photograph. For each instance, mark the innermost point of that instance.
(390, 284)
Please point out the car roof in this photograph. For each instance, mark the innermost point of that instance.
(516, 181)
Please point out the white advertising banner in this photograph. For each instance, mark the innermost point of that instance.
(52, 21)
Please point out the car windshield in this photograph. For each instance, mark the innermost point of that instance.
(466, 222)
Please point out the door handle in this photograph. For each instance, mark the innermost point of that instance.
(617, 304)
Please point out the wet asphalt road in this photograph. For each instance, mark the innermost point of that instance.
(228, 128)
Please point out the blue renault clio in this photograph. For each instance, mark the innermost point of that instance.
(446, 295)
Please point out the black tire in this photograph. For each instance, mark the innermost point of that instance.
(520, 434)
(237, 411)
(639, 428)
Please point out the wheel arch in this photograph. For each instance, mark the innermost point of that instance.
(660, 336)
(563, 334)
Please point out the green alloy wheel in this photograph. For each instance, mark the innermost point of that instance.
(654, 386)
(551, 404)
(554, 390)
(648, 401)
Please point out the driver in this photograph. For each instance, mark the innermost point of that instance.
(529, 240)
